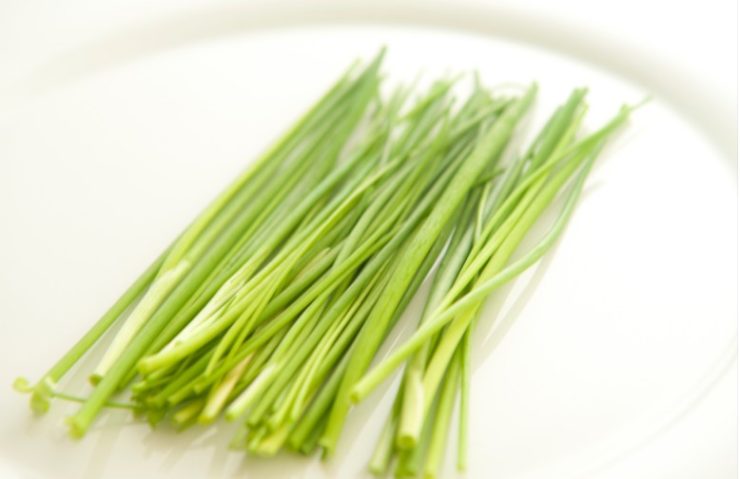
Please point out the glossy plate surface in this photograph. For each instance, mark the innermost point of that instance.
(583, 361)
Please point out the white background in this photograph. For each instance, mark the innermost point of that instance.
(692, 47)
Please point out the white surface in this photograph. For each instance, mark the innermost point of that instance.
(621, 362)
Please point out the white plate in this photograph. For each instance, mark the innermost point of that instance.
(583, 362)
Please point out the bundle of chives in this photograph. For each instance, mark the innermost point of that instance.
(325, 319)
(270, 306)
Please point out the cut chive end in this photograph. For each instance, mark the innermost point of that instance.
(75, 427)
(406, 442)
(40, 394)
(22, 385)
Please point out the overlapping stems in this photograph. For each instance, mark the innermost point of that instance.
(270, 307)
(476, 262)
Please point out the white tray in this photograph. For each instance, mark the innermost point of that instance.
(614, 357)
